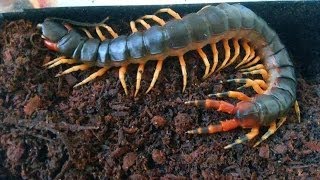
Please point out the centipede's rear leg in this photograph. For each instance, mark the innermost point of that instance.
(225, 125)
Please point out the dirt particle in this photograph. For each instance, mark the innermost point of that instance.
(313, 145)
(119, 151)
(15, 152)
(158, 156)
(32, 105)
(137, 177)
(172, 176)
(71, 80)
(129, 160)
(280, 149)
(158, 121)
(182, 123)
(264, 152)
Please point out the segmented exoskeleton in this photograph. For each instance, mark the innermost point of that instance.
(264, 55)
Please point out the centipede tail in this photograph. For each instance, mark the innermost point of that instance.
(235, 27)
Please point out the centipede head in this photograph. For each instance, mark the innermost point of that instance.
(52, 32)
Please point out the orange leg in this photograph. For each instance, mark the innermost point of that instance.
(232, 94)
(214, 104)
(156, 74)
(122, 73)
(226, 54)
(226, 125)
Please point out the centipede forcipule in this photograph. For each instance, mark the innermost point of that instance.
(264, 55)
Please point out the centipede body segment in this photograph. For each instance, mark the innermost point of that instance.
(234, 26)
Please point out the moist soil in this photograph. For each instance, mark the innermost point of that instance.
(50, 130)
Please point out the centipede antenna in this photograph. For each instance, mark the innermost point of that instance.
(34, 45)
(63, 61)
(77, 23)
(122, 73)
(253, 133)
(98, 73)
(80, 67)
(139, 77)
(156, 74)
(215, 58)
(205, 61)
(226, 54)
(184, 71)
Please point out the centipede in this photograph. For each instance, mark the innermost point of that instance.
(264, 58)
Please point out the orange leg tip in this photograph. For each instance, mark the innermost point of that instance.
(58, 75)
(241, 87)
(77, 85)
(191, 132)
(189, 102)
(212, 95)
(228, 146)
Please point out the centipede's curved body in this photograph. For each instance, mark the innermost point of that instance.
(276, 93)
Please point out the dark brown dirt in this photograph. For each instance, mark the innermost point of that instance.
(50, 130)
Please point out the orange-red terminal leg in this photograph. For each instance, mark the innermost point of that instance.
(226, 125)
(232, 94)
(214, 104)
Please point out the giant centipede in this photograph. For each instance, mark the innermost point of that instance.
(264, 55)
